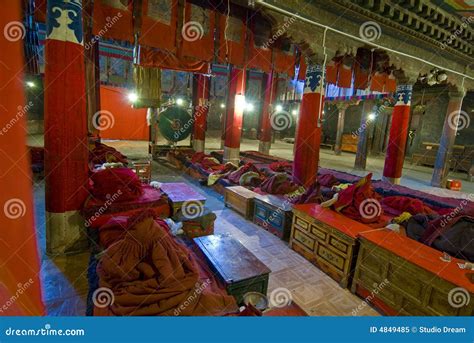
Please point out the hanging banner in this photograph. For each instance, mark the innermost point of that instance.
(284, 61)
(362, 67)
(344, 79)
(260, 54)
(390, 84)
(198, 32)
(377, 82)
(331, 70)
(159, 20)
(113, 19)
(150, 57)
(231, 39)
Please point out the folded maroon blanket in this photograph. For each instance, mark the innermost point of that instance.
(120, 183)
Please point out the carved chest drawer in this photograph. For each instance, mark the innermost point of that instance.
(274, 214)
(401, 276)
(326, 239)
(241, 200)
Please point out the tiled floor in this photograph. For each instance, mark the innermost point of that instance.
(65, 284)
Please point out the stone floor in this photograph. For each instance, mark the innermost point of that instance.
(64, 279)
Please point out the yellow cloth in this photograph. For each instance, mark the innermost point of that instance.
(402, 217)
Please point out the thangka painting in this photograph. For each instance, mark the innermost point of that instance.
(119, 4)
(160, 10)
(234, 29)
(166, 80)
(254, 87)
(219, 83)
(103, 61)
(201, 16)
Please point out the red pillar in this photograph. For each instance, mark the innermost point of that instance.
(234, 115)
(19, 261)
(201, 108)
(308, 129)
(267, 110)
(65, 121)
(397, 141)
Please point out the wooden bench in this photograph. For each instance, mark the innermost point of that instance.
(273, 214)
(239, 269)
(241, 200)
(327, 239)
(401, 276)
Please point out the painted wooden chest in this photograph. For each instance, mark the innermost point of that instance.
(235, 265)
(184, 198)
(241, 200)
(274, 214)
(327, 239)
(401, 276)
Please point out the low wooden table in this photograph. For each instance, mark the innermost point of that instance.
(273, 214)
(241, 200)
(235, 265)
(179, 193)
(327, 239)
(405, 277)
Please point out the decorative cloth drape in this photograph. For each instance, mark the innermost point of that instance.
(113, 19)
(159, 20)
(148, 86)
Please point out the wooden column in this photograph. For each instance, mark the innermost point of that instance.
(365, 125)
(341, 107)
(201, 108)
(234, 115)
(455, 120)
(267, 110)
(397, 141)
(65, 138)
(308, 130)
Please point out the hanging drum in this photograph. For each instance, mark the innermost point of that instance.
(175, 123)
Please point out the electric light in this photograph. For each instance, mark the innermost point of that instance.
(240, 104)
(371, 116)
(249, 107)
(30, 84)
(279, 108)
(179, 102)
(132, 97)
(222, 105)
(294, 112)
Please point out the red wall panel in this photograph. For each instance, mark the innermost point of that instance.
(128, 123)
